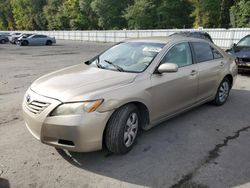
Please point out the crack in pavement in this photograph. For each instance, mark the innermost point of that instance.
(8, 121)
(212, 154)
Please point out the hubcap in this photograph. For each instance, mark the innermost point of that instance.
(131, 130)
(224, 90)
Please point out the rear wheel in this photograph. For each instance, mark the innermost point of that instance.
(3, 41)
(122, 128)
(49, 43)
(222, 92)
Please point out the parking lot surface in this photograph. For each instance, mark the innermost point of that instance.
(207, 147)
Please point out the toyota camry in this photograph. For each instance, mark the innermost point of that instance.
(135, 84)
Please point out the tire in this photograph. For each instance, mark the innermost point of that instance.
(222, 92)
(49, 43)
(122, 128)
(25, 43)
(3, 41)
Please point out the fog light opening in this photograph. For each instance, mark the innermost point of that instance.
(66, 142)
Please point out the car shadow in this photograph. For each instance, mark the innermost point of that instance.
(245, 73)
(168, 152)
(4, 183)
(38, 45)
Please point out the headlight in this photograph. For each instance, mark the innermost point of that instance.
(77, 108)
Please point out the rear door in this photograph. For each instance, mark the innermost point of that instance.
(210, 67)
(40, 39)
(43, 39)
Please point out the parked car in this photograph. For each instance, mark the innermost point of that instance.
(4, 33)
(195, 34)
(3, 39)
(13, 37)
(36, 40)
(241, 51)
(133, 85)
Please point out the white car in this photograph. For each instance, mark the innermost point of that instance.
(13, 37)
(36, 40)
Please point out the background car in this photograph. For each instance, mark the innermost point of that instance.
(3, 39)
(23, 36)
(36, 40)
(241, 51)
(13, 36)
(4, 33)
(195, 34)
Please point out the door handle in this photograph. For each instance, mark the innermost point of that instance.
(193, 72)
(222, 64)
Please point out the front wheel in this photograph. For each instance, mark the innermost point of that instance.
(25, 43)
(222, 92)
(3, 41)
(122, 128)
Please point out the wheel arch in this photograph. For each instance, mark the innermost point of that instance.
(26, 41)
(144, 115)
(49, 42)
(230, 78)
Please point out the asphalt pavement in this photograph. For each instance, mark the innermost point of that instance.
(207, 147)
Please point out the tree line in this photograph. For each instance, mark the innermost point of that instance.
(121, 14)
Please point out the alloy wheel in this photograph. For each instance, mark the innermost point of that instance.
(223, 92)
(131, 129)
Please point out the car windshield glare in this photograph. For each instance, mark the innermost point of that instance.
(128, 56)
(244, 42)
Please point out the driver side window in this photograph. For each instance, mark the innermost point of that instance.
(180, 54)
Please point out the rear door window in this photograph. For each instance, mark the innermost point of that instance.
(203, 52)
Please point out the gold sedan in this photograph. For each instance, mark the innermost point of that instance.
(133, 85)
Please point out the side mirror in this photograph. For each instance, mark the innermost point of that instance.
(168, 67)
(233, 46)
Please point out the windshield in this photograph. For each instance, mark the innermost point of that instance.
(244, 42)
(128, 56)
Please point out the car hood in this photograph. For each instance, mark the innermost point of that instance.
(242, 52)
(79, 82)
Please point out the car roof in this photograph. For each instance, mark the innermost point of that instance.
(188, 32)
(195, 34)
(245, 37)
(164, 40)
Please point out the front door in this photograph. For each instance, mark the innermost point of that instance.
(172, 92)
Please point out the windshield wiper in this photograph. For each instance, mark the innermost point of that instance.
(114, 65)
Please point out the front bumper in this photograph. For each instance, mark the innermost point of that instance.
(244, 66)
(81, 133)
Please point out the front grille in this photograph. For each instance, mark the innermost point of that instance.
(36, 107)
(244, 60)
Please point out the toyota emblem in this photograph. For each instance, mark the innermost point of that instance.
(28, 98)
